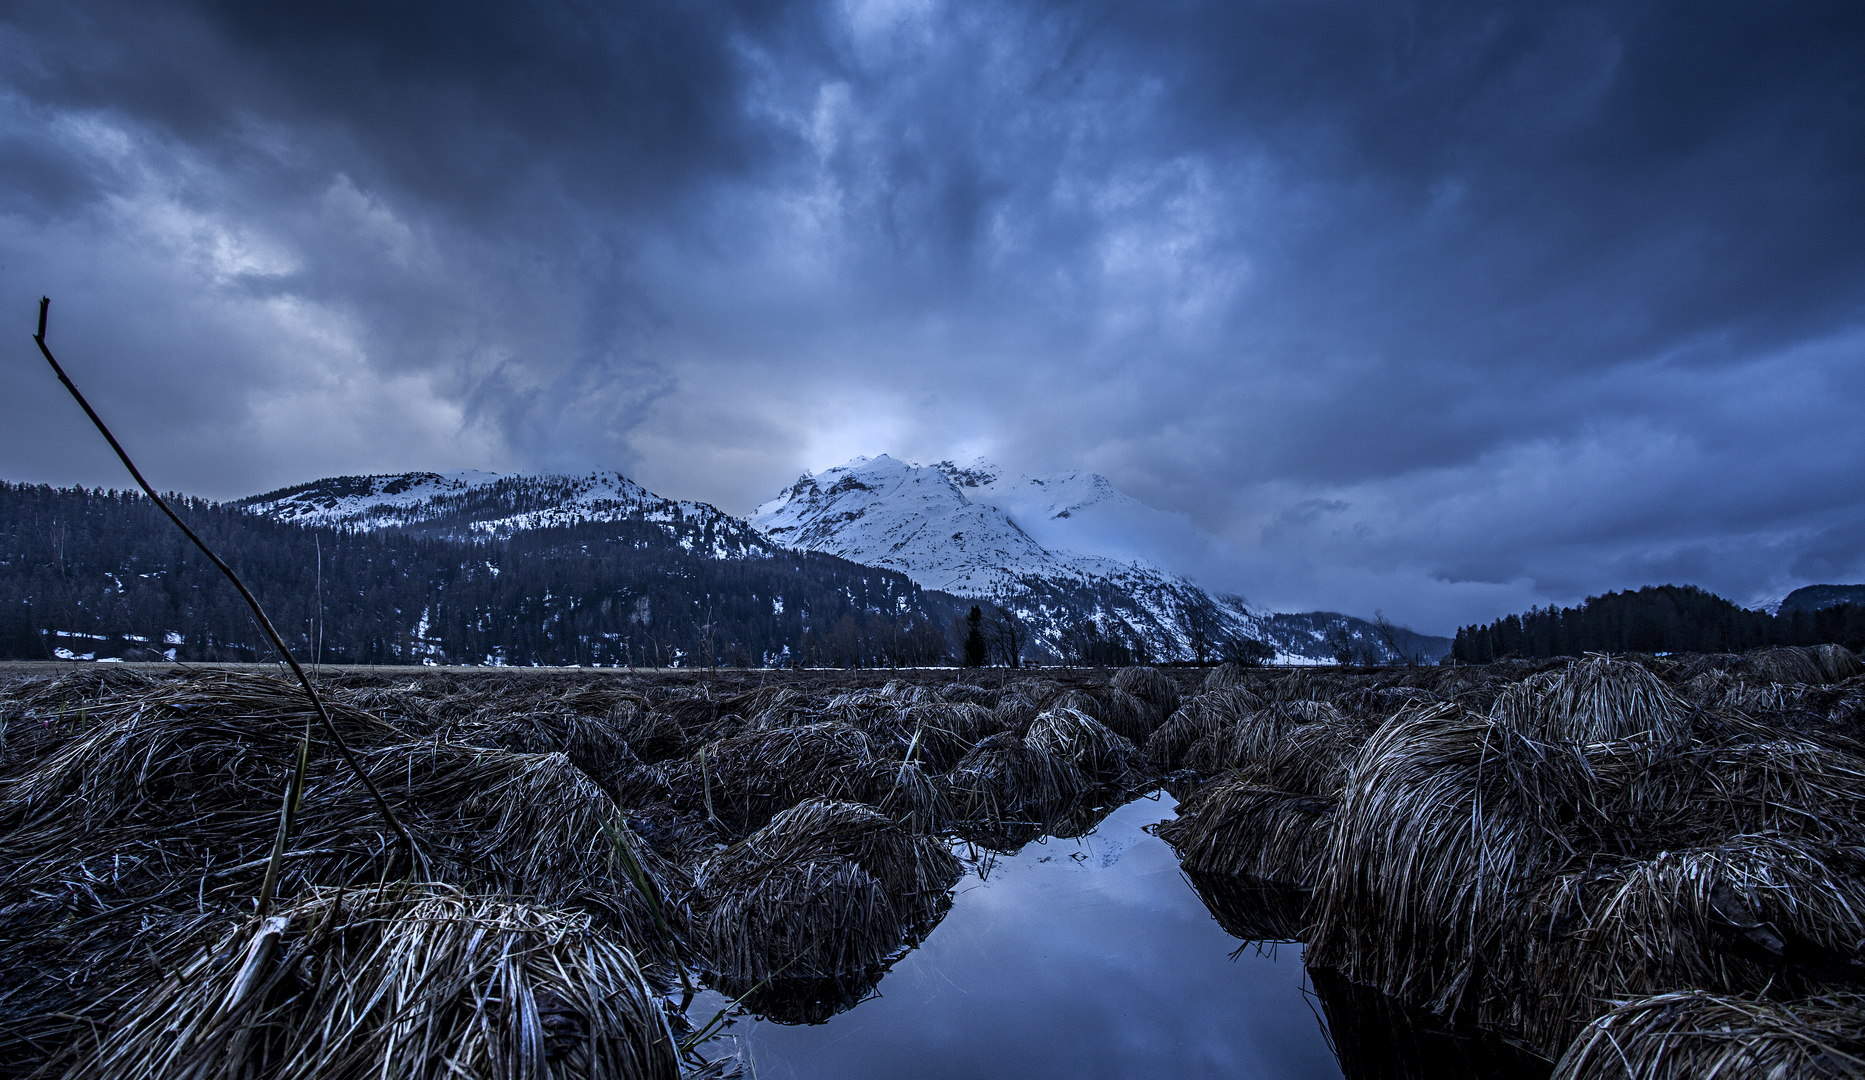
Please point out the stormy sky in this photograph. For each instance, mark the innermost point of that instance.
(1443, 309)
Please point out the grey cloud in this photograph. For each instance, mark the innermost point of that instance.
(1552, 299)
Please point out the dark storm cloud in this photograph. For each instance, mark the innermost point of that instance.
(1442, 308)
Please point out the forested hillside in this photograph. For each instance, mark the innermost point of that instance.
(103, 574)
(1657, 618)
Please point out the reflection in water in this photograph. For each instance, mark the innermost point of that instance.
(1090, 957)
(1258, 911)
(1077, 958)
(1380, 1038)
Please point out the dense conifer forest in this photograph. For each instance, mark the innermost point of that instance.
(102, 574)
(1657, 618)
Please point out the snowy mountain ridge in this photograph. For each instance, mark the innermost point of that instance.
(973, 531)
(471, 504)
(1082, 565)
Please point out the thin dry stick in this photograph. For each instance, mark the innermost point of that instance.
(323, 715)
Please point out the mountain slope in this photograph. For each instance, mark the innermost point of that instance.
(87, 575)
(1068, 554)
(474, 505)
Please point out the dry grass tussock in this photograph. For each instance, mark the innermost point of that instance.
(1786, 665)
(1235, 828)
(1122, 713)
(827, 888)
(1753, 912)
(409, 981)
(1151, 686)
(1691, 1035)
(779, 832)
(1004, 779)
(1205, 714)
(1448, 819)
(1251, 736)
(1089, 745)
(1525, 849)
(1596, 699)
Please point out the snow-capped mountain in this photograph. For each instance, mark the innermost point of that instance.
(1059, 551)
(1083, 566)
(972, 531)
(480, 505)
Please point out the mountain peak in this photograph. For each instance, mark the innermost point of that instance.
(975, 473)
(477, 505)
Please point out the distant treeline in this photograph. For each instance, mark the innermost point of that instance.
(103, 574)
(1657, 618)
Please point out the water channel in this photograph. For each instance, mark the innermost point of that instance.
(1093, 958)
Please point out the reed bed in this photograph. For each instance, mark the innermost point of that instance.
(1237, 829)
(1089, 745)
(1525, 847)
(785, 838)
(411, 981)
(1692, 1034)
(826, 890)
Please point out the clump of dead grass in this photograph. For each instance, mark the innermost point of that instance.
(415, 982)
(827, 889)
(1691, 1034)
(1092, 747)
(1236, 828)
(1005, 779)
(1448, 819)
(1595, 699)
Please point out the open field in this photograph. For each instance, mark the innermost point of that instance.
(1529, 849)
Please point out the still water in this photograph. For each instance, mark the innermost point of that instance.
(1088, 958)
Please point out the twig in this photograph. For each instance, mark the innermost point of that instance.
(323, 715)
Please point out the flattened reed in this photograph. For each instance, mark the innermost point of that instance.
(415, 982)
(1447, 820)
(827, 889)
(1235, 828)
(1595, 699)
(1085, 742)
(1692, 1034)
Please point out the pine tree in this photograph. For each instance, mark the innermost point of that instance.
(974, 638)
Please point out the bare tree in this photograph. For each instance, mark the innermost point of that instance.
(1199, 618)
(1006, 636)
(1392, 635)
